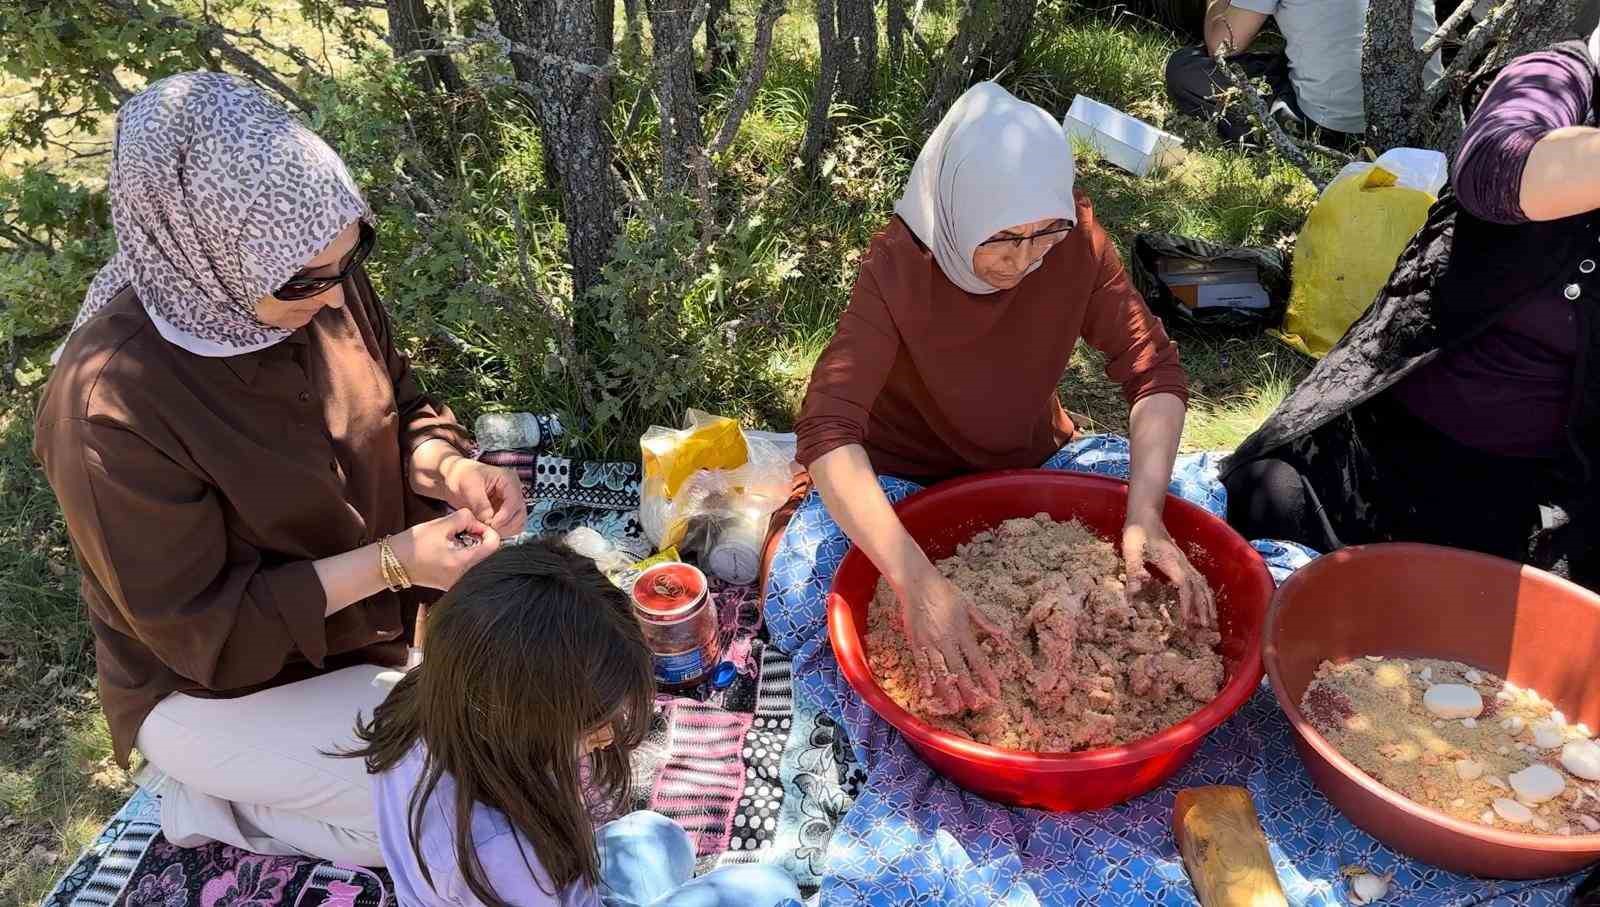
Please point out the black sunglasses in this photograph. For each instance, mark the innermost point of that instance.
(1017, 241)
(299, 287)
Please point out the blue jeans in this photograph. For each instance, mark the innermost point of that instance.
(646, 861)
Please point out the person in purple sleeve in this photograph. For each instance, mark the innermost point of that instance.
(489, 761)
(1463, 409)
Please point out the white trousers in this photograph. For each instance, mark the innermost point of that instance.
(252, 771)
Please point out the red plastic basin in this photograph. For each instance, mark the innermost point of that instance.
(1418, 601)
(948, 515)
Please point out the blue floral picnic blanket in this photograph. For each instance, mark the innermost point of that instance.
(914, 838)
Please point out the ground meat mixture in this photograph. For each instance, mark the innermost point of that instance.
(1081, 663)
(1373, 711)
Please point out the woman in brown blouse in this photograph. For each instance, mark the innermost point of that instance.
(966, 311)
(251, 477)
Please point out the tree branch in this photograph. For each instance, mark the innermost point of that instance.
(1465, 64)
(1437, 39)
(294, 54)
(489, 35)
(769, 14)
(213, 38)
(23, 240)
(1293, 150)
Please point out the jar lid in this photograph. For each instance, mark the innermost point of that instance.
(724, 676)
(667, 592)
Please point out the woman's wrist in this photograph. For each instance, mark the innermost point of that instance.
(431, 464)
(1143, 514)
(909, 568)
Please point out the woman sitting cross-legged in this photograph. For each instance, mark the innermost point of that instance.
(1468, 396)
(251, 477)
(965, 314)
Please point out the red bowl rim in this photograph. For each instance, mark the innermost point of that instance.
(1520, 840)
(851, 657)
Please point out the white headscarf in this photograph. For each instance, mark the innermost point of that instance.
(1594, 46)
(993, 162)
(218, 196)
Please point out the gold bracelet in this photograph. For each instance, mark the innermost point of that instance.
(394, 573)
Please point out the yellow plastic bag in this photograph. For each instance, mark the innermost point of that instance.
(708, 442)
(1348, 246)
(672, 457)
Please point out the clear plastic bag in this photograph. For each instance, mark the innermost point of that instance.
(720, 514)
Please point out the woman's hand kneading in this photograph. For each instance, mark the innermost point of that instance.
(938, 621)
(435, 558)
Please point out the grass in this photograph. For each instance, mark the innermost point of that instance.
(57, 783)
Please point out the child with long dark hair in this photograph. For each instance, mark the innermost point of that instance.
(489, 759)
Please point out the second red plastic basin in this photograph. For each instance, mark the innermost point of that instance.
(948, 515)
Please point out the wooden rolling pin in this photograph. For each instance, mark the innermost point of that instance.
(1224, 848)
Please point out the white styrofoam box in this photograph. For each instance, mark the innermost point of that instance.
(1129, 143)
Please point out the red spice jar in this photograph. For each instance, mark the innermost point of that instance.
(674, 607)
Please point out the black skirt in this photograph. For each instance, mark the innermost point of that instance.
(1398, 480)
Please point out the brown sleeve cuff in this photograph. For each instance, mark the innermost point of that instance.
(816, 438)
(294, 592)
(1165, 380)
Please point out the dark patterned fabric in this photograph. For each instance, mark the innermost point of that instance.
(133, 865)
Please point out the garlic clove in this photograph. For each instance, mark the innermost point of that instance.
(1512, 811)
(1427, 673)
(1365, 888)
(1546, 737)
(1582, 758)
(1468, 770)
(1473, 676)
(1514, 724)
(1452, 700)
(1537, 784)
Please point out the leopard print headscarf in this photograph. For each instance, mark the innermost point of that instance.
(218, 196)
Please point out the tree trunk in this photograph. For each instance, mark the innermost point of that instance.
(632, 44)
(1008, 36)
(1535, 25)
(898, 24)
(858, 52)
(1510, 30)
(411, 29)
(605, 24)
(954, 68)
(760, 52)
(819, 128)
(570, 108)
(720, 52)
(671, 29)
(1391, 74)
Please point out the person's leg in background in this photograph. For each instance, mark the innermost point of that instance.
(1270, 499)
(252, 771)
(646, 861)
(1197, 89)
